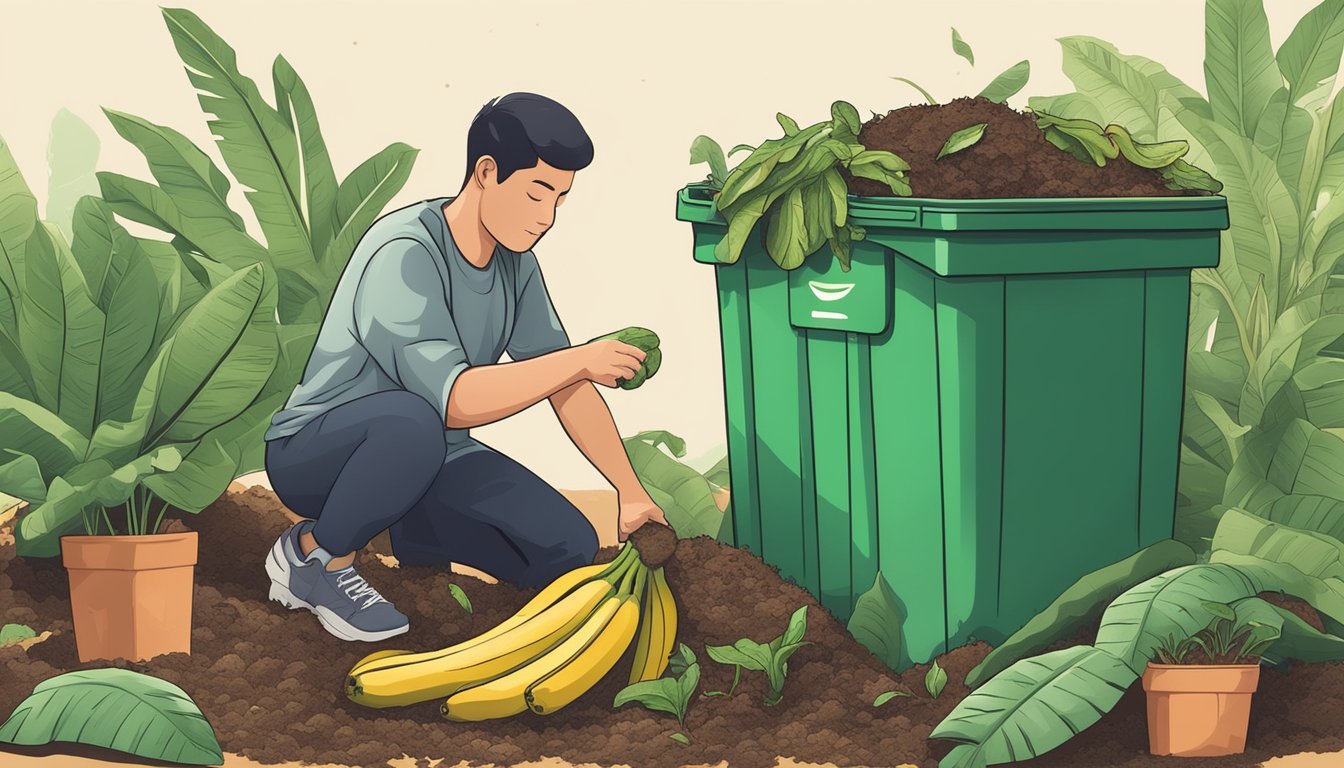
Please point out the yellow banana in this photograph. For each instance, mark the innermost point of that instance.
(644, 640)
(561, 687)
(657, 632)
(446, 674)
(504, 696)
(668, 605)
(544, 599)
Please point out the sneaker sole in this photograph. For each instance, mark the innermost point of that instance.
(335, 625)
(277, 569)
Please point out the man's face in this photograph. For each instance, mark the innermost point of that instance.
(519, 211)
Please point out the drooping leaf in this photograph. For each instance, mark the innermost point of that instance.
(1008, 83)
(28, 428)
(661, 695)
(1081, 605)
(1321, 514)
(684, 495)
(72, 156)
(876, 623)
(1239, 66)
(1034, 706)
(961, 139)
(1299, 640)
(1302, 563)
(1147, 155)
(1139, 620)
(1297, 458)
(117, 709)
(21, 477)
(960, 47)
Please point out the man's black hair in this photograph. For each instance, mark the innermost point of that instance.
(519, 128)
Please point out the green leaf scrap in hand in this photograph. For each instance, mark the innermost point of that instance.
(460, 597)
(960, 47)
(883, 698)
(962, 139)
(935, 680)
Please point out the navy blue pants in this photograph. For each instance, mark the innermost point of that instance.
(378, 463)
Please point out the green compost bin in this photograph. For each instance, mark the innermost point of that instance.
(984, 408)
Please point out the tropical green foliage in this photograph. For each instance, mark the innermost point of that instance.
(1266, 344)
(72, 158)
(117, 709)
(1230, 638)
(140, 374)
(310, 222)
(771, 658)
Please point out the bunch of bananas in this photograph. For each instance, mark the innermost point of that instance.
(553, 650)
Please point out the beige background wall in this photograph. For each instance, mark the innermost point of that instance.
(645, 78)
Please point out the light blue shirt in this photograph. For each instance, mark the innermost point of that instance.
(410, 312)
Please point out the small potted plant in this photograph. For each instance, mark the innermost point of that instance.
(130, 593)
(1199, 689)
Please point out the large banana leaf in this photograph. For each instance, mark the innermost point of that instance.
(204, 375)
(27, 427)
(1321, 514)
(124, 286)
(256, 143)
(18, 218)
(21, 477)
(1137, 622)
(1239, 67)
(117, 709)
(1034, 706)
(214, 462)
(60, 330)
(1080, 605)
(1296, 458)
(72, 155)
(1303, 563)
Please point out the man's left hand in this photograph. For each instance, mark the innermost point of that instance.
(635, 510)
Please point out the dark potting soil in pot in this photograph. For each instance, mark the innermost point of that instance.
(270, 680)
(1012, 159)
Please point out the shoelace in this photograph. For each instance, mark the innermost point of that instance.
(356, 587)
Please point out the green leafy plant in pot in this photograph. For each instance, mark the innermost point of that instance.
(1199, 690)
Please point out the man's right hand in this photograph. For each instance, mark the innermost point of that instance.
(607, 360)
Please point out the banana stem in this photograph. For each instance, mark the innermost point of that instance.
(616, 567)
(641, 578)
(628, 577)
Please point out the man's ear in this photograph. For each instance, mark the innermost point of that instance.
(486, 170)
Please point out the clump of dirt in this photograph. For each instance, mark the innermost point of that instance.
(271, 681)
(1012, 159)
(655, 543)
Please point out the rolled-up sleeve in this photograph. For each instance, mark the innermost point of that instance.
(403, 320)
(536, 327)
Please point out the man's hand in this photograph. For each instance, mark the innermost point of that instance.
(607, 360)
(635, 510)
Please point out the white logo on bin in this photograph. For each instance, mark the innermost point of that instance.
(829, 292)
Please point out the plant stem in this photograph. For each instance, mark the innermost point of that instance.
(159, 520)
(737, 675)
(927, 95)
(111, 531)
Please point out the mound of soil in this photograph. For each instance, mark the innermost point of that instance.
(1012, 159)
(270, 680)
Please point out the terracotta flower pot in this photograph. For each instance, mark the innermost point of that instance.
(1199, 710)
(130, 595)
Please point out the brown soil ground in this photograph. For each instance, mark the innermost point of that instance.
(270, 681)
(1012, 159)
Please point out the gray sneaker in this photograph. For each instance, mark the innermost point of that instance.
(346, 605)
